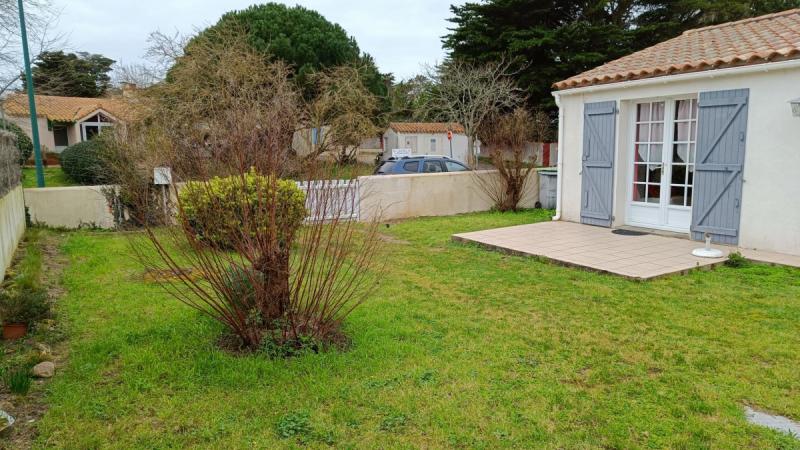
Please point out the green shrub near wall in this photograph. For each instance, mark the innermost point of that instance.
(83, 162)
(24, 143)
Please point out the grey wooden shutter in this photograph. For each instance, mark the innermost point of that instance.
(597, 181)
(721, 137)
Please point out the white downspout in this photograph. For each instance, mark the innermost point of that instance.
(560, 164)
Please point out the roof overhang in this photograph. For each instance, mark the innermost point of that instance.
(705, 74)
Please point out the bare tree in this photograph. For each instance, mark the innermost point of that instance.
(341, 114)
(467, 94)
(40, 18)
(162, 52)
(507, 136)
(273, 264)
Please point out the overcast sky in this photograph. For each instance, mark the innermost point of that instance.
(401, 35)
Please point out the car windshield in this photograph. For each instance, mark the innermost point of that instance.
(386, 167)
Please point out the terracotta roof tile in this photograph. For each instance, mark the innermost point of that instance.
(65, 109)
(774, 37)
(426, 127)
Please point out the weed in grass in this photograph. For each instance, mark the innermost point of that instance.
(294, 424)
(428, 377)
(17, 380)
(393, 422)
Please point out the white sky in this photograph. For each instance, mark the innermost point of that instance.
(400, 35)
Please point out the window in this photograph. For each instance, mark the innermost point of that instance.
(94, 125)
(433, 145)
(386, 167)
(412, 166)
(648, 147)
(432, 167)
(453, 166)
(684, 141)
(60, 138)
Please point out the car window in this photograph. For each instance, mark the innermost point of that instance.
(411, 166)
(432, 167)
(453, 166)
(386, 167)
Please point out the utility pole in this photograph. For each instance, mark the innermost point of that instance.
(37, 149)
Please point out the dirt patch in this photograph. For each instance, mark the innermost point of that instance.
(46, 343)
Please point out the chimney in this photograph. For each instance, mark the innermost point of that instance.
(128, 89)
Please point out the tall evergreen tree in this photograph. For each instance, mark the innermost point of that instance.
(551, 40)
(71, 74)
(304, 39)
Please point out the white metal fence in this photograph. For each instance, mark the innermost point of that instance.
(331, 199)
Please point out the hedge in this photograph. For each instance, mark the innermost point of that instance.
(24, 143)
(83, 162)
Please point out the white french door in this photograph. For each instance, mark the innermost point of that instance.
(662, 164)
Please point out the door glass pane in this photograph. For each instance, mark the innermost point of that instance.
(657, 132)
(643, 112)
(680, 153)
(432, 167)
(640, 173)
(658, 111)
(682, 131)
(653, 193)
(678, 174)
(683, 109)
(690, 176)
(411, 166)
(638, 192)
(689, 196)
(655, 152)
(655, 173)
(643, 133)
(641, 153)
(676, 195)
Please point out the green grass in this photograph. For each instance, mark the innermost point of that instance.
(458, 347)
(53, 177)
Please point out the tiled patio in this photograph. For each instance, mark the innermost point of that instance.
(639, 257)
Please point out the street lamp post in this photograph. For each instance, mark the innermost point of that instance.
(37, 150)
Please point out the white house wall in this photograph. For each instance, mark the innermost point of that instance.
(423, 147)
(770, 218)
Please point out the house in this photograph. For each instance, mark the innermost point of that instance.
(64, 121)
(694, 135)
(426, 138)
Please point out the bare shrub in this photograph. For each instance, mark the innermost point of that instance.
(275, 265)
(507, 136)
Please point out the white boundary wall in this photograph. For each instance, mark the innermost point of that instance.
(69, 207)
(12, 226)
(393, 197)
(389, 197)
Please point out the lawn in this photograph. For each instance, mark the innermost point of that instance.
(458, 347)
(53, 177)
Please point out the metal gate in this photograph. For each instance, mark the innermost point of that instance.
(331, 199)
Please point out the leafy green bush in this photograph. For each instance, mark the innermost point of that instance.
(17, 380)
(736, 259)
(26, 305)
(24, 143)
(218, 209)
(83, 162)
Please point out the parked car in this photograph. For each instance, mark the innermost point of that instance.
(419, 164)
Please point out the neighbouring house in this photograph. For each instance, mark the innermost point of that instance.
(64, 121)
(426, 138)
(694, 135)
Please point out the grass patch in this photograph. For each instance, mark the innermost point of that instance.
(53, 177)
(459, 347)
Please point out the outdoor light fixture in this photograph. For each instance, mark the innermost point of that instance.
(795, 107)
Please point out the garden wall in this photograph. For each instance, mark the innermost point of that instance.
(69, 207)
(394, 197)
(12, 206)
(389, 197)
